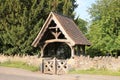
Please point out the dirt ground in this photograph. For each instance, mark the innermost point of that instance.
(20, 74)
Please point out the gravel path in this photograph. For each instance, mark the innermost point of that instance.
(20, 74)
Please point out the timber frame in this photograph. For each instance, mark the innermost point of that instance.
(60, 35)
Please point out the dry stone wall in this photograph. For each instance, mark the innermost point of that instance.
(30, 60)
(82, 62)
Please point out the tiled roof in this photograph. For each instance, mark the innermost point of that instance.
(72, 30)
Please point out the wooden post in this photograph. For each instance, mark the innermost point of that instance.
(72, 52)
(78, 50)
(55, 66)
(42, 66)
(83, 50)
(41, 52)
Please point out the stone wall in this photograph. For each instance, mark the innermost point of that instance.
(30, 60)
(84, 63)
(81, 62)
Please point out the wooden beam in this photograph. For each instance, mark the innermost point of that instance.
(53, 27)
(72, 52)
(56, 34)
(41, 52)
(56, 40)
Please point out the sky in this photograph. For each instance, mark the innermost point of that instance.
(82, 8)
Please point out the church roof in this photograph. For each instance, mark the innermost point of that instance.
(68, 27)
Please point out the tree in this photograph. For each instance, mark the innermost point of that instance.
(65, 7)
(21, 20)
(82, 24)
(105, 28)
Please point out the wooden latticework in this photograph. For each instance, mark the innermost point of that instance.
(54, 66)
(62, 66)
(48, 66)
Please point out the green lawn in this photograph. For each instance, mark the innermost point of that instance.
(96, 72)
(19, 64)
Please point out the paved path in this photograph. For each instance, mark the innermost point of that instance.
(20, 74)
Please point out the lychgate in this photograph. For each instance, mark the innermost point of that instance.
(59, 39)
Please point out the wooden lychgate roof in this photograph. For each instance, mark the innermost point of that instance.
(68, 28)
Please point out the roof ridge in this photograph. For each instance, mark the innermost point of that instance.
(63, 15)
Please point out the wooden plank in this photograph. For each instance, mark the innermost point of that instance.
(53, 27)
(56, 40)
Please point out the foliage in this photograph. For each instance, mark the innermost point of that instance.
(19, 24)
(82, 24)
(21, 20)
(105, 28)
(19, 64)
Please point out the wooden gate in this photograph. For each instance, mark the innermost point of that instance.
(54, 66)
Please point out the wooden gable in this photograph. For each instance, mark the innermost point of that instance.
(58, 28)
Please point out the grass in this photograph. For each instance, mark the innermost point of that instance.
(96, 72)
(18, 64)
(23, 65)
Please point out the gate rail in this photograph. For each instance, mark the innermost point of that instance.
(54, 66)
